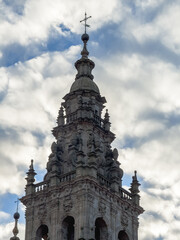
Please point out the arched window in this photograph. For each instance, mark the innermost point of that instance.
(68, 228)
(42, 233)
(101, 232)
(123, 236)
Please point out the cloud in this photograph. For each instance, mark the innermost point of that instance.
(4, 216)
(160, 28)
(136, 45)
(29, 107)
(6, 231)
(37, 18)
(144, 108)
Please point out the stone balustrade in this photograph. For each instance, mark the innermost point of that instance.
(102, 180)
(125, 194)
(68, 176)
(40, 186)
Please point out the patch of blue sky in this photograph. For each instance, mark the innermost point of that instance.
(59, 42)
(18, 53)
(16, 6)
(153, 47)
(129, 142)
(132, 5)
(40, 172)
(8, 205)
(40, 137)
(106, 38)
(148, 13)
(8, 133)
(111, 37)
(159, 238)
(155, 215)
(64, 28)
(170, 119)
(126, 180)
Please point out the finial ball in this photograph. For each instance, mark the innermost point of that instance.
(85, 37)
(16, 215)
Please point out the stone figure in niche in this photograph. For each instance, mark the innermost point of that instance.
(90, 143)
(108, 155)
(72, 150)
(53, 156)
(59, 149)
(80, 142)
(109, 160)
(56, 155)
(115, 154)
(98, 144)
(56, 151)
(115, 170)
(101, 162)
(80, 101)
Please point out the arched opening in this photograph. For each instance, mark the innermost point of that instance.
(42, 232)
(101, 232)
(68, 228)
(123, 236)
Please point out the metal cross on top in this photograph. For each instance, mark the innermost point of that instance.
(17, 204)
(85, 20)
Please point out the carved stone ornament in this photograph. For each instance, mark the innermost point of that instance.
(68, 204)
(54, 204)
(91, 198)
(102, 207)
(124, 219)
(113, 211)
(42, 211)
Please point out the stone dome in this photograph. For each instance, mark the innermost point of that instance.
(84, 83)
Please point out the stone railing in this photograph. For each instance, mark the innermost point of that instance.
(40, 186)
(68, 176)
(102, 180)
(125, 194)
(74, 116)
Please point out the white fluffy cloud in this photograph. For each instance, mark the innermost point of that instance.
(163, 28)
(29, 110)
(6, 231)
(142, 95)
(143, 101)
(38, 17)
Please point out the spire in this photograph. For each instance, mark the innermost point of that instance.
(107, 123)
(15, 229)
(84, 65)
(30, 174)
(30, 179)
(60, 119)
(135, 188)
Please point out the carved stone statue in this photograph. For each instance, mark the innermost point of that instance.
(115, 154)
(90, 143)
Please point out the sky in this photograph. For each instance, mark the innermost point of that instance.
(136, 49)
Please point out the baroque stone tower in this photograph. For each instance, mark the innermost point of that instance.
(81, 196)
